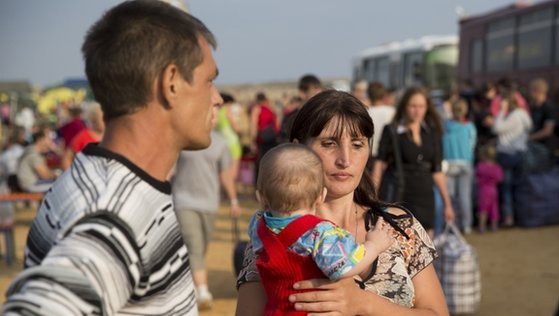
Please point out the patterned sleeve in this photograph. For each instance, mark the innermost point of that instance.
(335, 251)
(422, 252)
(249, 272)
(91, 271)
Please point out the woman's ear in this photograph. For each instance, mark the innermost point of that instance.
(321, 198)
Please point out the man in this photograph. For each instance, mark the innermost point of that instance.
(106, 240)
(196, 197)
(33, 173)
(91, 134)
(542, 114)
(359, 90)
(309, 86)
(381, 113)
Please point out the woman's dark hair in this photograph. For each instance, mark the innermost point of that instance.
(351, 116)
(432, 117)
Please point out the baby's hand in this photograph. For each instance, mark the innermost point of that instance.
(380, 236)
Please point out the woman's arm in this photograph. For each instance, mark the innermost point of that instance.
(345, 298)
(440, 181)
(251, 299)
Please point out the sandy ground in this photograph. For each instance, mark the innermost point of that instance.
(519, 267)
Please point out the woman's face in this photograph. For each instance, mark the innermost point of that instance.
(343, 159)
(416, 108)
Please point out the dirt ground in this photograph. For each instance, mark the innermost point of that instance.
(520, 274)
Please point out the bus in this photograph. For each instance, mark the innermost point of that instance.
(429, 61)
(519, 42)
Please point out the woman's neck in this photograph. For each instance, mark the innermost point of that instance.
(341, 211)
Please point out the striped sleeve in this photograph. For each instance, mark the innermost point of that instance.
(91, 271)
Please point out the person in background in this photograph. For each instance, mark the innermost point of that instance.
(309, 85)
(359, 90)
(459, 141)
(93, 133)
(506, 86)
(390, 96)
(543, 116)
(512, 126)
(263, 128)
(9, 159)
(196, 196)
(483, 119)
(73, 127)
(418, 131)
(290, 111)
(33, 173)
(227, 125)
(488, 175)
(105, 240)
(380, 112)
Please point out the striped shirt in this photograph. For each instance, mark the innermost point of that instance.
(105, 242)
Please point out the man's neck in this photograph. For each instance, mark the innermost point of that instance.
(144, 141)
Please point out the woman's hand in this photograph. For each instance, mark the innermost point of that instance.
(331, 298)
(449, 213)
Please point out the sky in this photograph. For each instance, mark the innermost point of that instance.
(258, 40)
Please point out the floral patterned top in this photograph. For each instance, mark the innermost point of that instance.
(396, 266)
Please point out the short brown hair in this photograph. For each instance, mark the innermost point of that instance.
(376, 91)
(290, 178)
(128, 48)
(459, 109)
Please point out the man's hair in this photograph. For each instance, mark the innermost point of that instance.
(290, 178)
(128, 48)
(376, 91)
(309, 81)
(539, 85)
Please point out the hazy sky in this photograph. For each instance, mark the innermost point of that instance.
(258, 40)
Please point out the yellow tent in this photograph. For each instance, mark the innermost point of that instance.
(53, 97)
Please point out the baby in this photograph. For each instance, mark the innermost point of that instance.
(293, 244)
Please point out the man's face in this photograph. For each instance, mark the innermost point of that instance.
(197, 106)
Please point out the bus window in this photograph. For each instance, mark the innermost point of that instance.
(534, 39)
(500, 45)
(476, 61)
(440, 67)
(382, 65)
(369, 70)
(413, 62)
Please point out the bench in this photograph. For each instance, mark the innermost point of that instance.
(7, 226)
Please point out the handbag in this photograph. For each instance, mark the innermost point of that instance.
(393, 181)
(458, 270)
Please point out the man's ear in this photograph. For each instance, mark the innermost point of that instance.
(170, 81)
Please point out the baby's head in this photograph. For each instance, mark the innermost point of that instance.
(290, 178)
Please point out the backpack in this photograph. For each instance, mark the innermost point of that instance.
(458, 271)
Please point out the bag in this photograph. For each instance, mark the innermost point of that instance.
(458, 271)
(239, 249)
(537, 199)
(393, 182)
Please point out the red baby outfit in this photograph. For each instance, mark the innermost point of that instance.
(280, 268)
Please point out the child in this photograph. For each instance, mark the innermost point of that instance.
(459, 141)
(488, 174)
(291, 242)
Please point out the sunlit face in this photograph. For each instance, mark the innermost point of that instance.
(199, 99)
(343, 159)
(416, 108)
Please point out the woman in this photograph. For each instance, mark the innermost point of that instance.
(228, 127)
(512, 126)
(337, 127)
(417, 128)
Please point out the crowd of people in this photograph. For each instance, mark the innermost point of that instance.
(347, 182)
